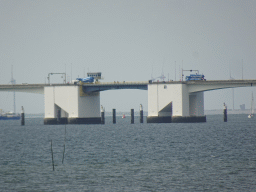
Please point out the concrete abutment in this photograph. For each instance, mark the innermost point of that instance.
(173, 103)
(70, 105)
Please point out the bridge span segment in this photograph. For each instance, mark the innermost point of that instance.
(198, 86)
(184, 101)
(173, 101)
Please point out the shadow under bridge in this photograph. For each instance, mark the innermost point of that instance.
(87, 88)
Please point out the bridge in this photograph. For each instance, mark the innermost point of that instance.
(87, 87)
(175, 101)
(142, 85)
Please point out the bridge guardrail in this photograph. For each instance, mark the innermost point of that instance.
(117, 83)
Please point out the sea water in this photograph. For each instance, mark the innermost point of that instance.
(211, 156)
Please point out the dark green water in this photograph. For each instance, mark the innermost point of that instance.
(211, 156)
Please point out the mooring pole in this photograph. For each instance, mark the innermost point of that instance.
(52, 157)
(132, 116)
(22, 116)
(114, 116)
(64, 145)
(225, 113)
(102, 115)
(141, 113)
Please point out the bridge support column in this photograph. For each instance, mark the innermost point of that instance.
(173, 103)
(196, 104)
(75, 106)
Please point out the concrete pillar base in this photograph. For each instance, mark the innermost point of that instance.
(157, 119)
(176, 119)
(188, 119)
(91, 120)
(53, 121)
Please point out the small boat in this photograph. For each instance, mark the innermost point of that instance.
(9, 116)
(252, 109)
(123, 116)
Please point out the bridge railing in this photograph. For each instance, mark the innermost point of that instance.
(118, 82)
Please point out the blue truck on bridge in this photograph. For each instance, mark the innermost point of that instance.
(86, 80)
(195, 77)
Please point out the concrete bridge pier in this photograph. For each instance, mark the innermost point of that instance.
(172, 103)
(73, 105)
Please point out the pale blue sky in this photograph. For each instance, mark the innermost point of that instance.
(126, 41)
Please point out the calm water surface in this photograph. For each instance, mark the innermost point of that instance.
(212, 156)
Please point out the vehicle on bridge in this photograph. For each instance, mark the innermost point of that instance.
(195, 77)
(95, 75)
(86, 80)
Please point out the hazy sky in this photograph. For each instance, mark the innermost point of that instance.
(128, 40)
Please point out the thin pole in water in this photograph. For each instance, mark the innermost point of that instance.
(64, 146)
(52, 157)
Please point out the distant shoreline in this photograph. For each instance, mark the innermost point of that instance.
(230, 111)
(145, 113)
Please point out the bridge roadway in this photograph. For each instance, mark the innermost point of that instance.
(193, 86)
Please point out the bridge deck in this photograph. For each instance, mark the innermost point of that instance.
(100, 86)
(234, 81)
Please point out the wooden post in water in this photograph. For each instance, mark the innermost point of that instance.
(22, 116)
(102, 115)
(64, 146)
(141, 113)
(52, 157)
(132, 116)
(225, 113)
(114, 116)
